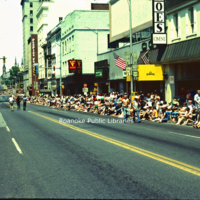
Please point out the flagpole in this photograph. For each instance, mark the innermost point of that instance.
(131, 49)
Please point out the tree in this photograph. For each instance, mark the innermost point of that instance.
(16, 74)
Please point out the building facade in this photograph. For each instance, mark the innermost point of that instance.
(49, 15)
(84, 35)
(29, 24)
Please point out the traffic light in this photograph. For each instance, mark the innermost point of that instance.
(34, 69)
(54, 68)
(4, 59)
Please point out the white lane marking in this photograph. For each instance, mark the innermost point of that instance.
(185, 135)
(17, 146)
(7, 129)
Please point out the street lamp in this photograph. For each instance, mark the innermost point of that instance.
(97, 37)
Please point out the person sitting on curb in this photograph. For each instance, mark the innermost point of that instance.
(164, 116)
(183, 116)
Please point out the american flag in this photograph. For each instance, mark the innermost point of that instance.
(119, 61)
(145, 58)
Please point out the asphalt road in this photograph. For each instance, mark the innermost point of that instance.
(44, 158)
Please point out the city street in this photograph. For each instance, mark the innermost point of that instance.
(44, 158)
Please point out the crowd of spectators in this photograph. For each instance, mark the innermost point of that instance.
(144, 107)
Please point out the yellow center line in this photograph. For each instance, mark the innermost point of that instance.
(166, 160)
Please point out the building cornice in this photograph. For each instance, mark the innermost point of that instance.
(183, 5)
(42, 8)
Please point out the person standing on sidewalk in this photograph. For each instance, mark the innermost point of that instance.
(11, 101)
(125, 103)
(24, 102)
(18, 102)
(136, 105)
(197, 100)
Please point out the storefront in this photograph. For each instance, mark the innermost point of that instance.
(187, 76)
(101, 76)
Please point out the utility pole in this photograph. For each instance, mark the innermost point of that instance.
(131, 49)
(60, 70)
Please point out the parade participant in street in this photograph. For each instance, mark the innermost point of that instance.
(125, 103)
(18, 102)
(24, 102)
(11, 101)
(136, 105)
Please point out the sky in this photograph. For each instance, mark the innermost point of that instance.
(11, 36)
(11, 44)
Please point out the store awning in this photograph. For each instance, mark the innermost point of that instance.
(181, 51)
(173, 53)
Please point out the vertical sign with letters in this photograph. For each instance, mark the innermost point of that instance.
(34, 59)
(159, 35)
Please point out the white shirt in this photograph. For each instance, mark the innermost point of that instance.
(11, 99)
(191, 107)
(197, 98)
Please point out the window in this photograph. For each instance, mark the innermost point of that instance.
(70, 45)
(31, 4)
(176, 25)
(62, 48)
(72, 42)
(60, 19)
(31, 20)
(191, 19)
(31, 28)
(31, 12)
(65, 46)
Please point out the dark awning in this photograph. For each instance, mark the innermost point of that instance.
(177, 52)
(182, 51)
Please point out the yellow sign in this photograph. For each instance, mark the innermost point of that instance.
(95, 84)
(150, 73)
(128, 76)
(63, 87)
(133, 94)
(95, 89)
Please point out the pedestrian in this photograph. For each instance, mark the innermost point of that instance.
(136, 105)
(18, 102)
(11, 101)
(24, 102)
(125, 103)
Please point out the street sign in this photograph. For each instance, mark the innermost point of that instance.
(128, 74)
(85, 90)
(134, 59)
(135, 68)
(98, 73)
(124, 73)
(36, 64)
(135, 78)
(171, 79)
(135, 74)
(127, 58)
